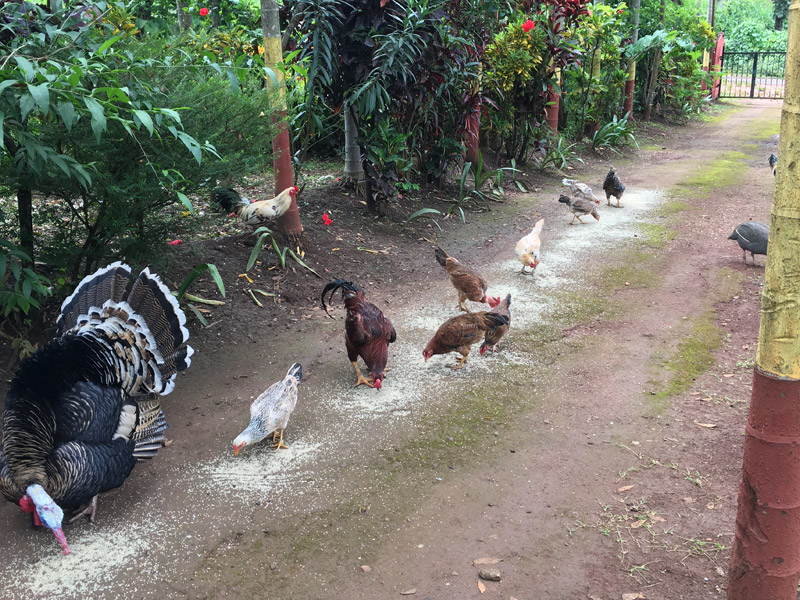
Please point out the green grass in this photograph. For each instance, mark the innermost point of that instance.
(655, 236)
(726, 171)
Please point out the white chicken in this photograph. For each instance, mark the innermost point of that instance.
(270, 412)
(253, 213)
(581, 190)
(527, 248)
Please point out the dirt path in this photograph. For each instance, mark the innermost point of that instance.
(623, 353)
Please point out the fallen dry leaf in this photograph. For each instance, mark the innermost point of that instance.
(728, 375)
(633, 596)
(657, 519)
(409, 592)
(636, 524)
(481, 587)
(706, 425)
(624, 488)
(486, 561)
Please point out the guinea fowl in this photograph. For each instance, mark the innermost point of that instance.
(253, 213)
(773, 164)
(85, 408)
(579, 207)
(469, 284)
(752, 237)
(493, 336)
(612, 186)
(270, 412)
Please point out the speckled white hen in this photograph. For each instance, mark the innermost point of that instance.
(270, 412)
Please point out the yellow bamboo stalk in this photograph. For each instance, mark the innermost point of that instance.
(779, 335)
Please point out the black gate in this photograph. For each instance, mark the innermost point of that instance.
(752, 74)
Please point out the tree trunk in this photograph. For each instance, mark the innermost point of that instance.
(353, 171)
(184, 19)
(289, 223)
(215, 7)
(25, 216)
(630, 84)
(765, 558)
(651, 88)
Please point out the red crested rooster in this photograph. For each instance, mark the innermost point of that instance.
(85, 408)
(468, 284)
(253, 213)
(367, 332)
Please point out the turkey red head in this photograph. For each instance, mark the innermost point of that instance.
(493, 301)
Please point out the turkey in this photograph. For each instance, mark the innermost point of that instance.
(752, 237)
(612, 186)
(85, 408)
(270, 412)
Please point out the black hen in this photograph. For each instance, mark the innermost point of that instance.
(752, 237)
(85, 407)
(773, 163)
(612, 186)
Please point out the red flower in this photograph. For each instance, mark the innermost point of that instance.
(528, 25)
(326, 219)
(174, 242)
(203, 11)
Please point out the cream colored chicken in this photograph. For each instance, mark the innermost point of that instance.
(527, 248)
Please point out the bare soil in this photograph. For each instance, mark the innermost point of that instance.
(596, 455)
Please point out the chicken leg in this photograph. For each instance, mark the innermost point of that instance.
(360, 377)
(280, 443)
(461, 361)
(462, 297)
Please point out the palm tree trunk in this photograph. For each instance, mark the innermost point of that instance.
(651, 88)
(289, 223)
(353, 171)
(25, 216)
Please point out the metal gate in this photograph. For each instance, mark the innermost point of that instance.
(752, 74)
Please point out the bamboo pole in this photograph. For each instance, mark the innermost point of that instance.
(765, 560)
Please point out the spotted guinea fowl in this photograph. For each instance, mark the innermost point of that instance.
(773, 164)
(86, 406)
(612, 186)
(752, 237)
(579, 207)
(270, 412)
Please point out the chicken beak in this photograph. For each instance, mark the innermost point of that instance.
(236, 449)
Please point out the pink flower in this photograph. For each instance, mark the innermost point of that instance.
(174, 242)
(327, 220)
(528, 25)
(203, 11)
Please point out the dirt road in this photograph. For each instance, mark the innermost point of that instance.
(597, 454)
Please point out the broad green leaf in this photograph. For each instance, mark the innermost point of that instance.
(234, 79)
(423, 212)
(6, 83)
(26, 67)
(212, 268)
(171, 113)
(145, 118)
(98, 116)
(67, 112)
(257, 248)
(185, 201)
(192, 145)
(108, 43)
(2, 124)
(26, 105)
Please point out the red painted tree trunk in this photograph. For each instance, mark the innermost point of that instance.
(289, 223)
(551, 109)
(472, 136)
(765, 562)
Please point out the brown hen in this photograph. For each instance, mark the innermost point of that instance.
(468, 284)
(458, 333)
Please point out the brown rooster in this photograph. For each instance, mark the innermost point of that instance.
(494, 336)
(468, 284)
(367, 332)
(253, 213)
(457, 334)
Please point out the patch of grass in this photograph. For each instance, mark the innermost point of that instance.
(726, 171)
(672, 206)
(693, 356)
(655, 236)
(652, 147)
(576, 308)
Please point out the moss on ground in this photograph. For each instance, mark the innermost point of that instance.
(725, 171)
(655, 236)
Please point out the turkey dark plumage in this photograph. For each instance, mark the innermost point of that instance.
(86, 407)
